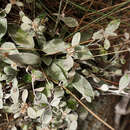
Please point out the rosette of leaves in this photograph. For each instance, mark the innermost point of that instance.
(49, 106)
(59, 69)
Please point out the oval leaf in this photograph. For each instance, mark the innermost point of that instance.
(82, 86)
(24, 95)
(76, 39)
(9, 48)
(46, 116)
(8, 8)
(32, 113)
(25, 58)
(124, 82)
(83, 53)
(69, 21)
(111, 27)
(55, 102)
(66, 64)
(21, 38)
(73, 125)
(15, 91)
(38, 75)
(55, 46)
(3, 27)
(104, 87)
(25, 27)
(8, 70)
(98, 35)
(56, 72)
(25, 19)
(107, 44)
(1, 96)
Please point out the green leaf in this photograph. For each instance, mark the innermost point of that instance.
(3, 27)
(8, 70)
(72, 103)
(56, 73)
(46, 116)
(25, 27)
(2, 13)
(83, 53)
(55, 46)
(49, 86)
(76, 39)
(25, 59)
(1, 96)
(41, 41)
(124, 82)
(8, 8)
(10, 48)
(31, 113)
(111, 27)
(66, 64)
(107, 44)
(18, 3)
(104, 87)
(47, 60)
(2, 77)
(55, 102)
(98, 35)
(37, 75)
(58, 93)
(27, 78)
(41, 99)
(72, 116)
(69, 21)
(73, 125)
(24, 95)
(40, 112)
(15, 91)
(25, 19)
(14, 108)
(82, 86)
(21, 38)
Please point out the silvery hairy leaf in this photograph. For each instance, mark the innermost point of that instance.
(25, 59)
(46, 116)
(1, 96)
(31, 113)
(24, 95)
(124, 82)
(76, 39)
(20, 37)
(15, 91)
(70, 21)
(3, 27)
